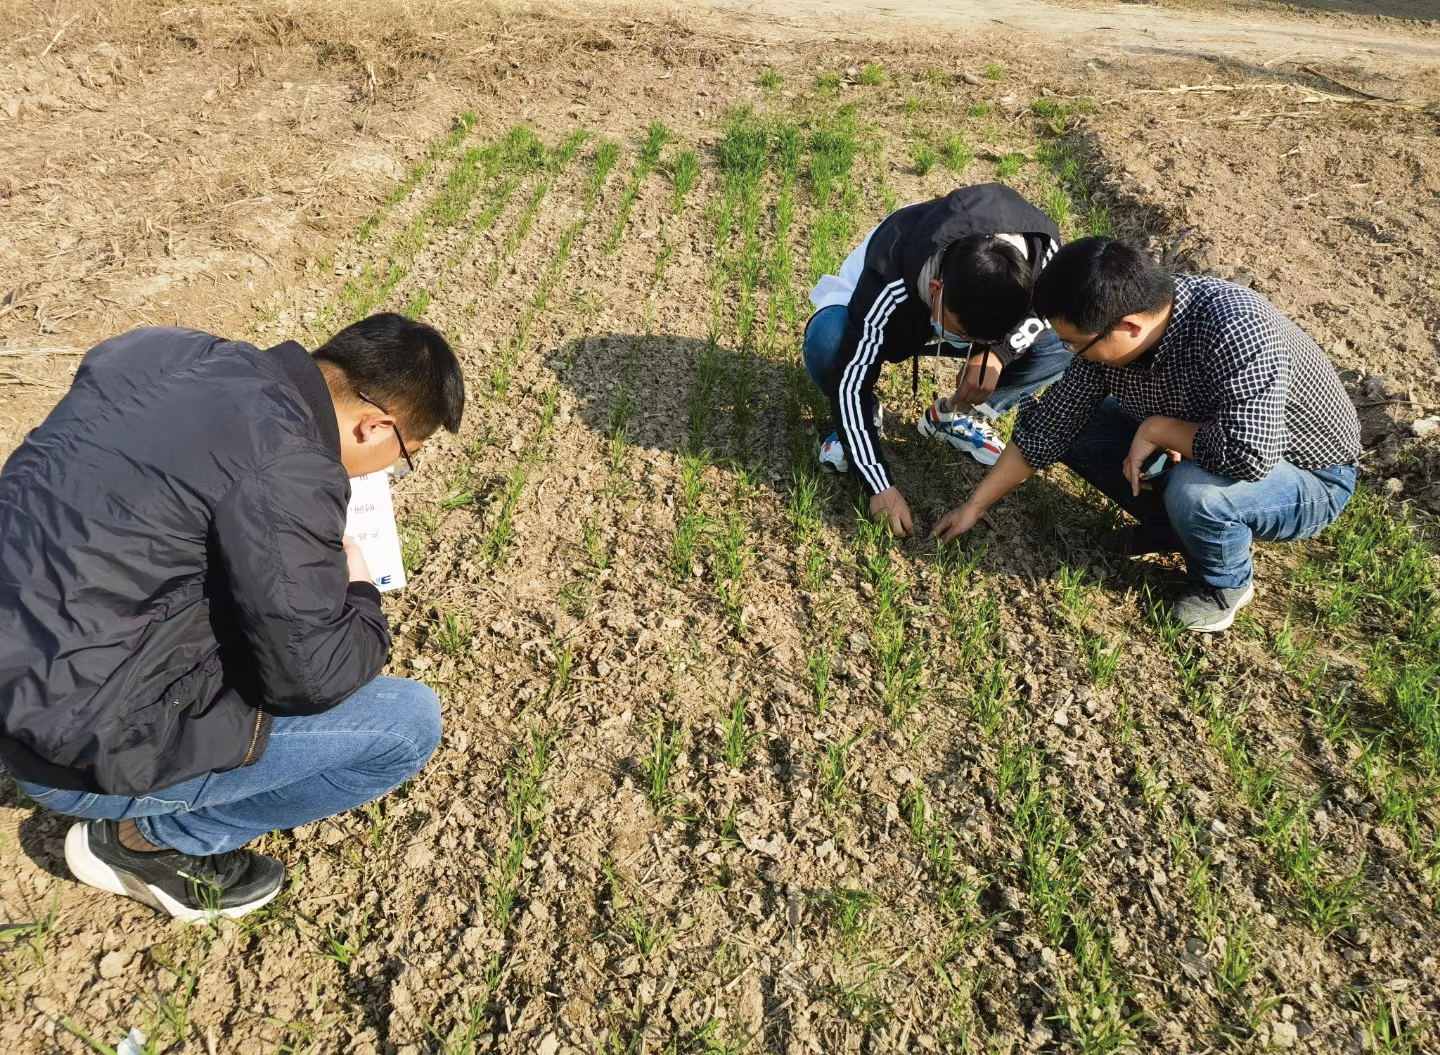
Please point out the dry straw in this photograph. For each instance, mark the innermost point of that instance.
(382, 39)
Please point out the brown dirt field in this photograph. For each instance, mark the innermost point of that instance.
(991, 849)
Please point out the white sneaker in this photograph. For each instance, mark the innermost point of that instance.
(833, 454)
(966, 432)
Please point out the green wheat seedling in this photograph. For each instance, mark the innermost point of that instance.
(850, 913)
(1327, 903)
(737, 736)
(732, 556)
(743, 154)
(912, 106)
(1009, 165)
(994, 71)
(342, 943)
(804, 512)
(656, 136)
(708, 375)
(517, 156)
(819, 663)
(1077, 191)
(899, 654)
(32, 937)
(418, 172)
(363, 294)
(1102, 656)
(955, 154)
(872, 74)
(834, 146)
(525, 801)
(1383, 1031)
(835, 769)
(496, 545)
(827, 85)
(684, 171)
(606, 155)
(782, 313)
(924, 157)
(558, 160)
(667, 743)
(771, 80)
(452, 635)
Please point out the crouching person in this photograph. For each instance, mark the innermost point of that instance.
(1194, 405)
(957, 270)
(189, 647)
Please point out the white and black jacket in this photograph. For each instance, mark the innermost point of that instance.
(889, 311)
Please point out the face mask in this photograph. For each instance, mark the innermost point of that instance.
(949, 338)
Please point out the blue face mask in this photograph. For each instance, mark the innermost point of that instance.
(949, 338)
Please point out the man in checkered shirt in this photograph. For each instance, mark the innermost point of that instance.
(1196, 406)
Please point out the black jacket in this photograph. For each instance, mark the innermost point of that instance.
(890, 322)
(171, 569)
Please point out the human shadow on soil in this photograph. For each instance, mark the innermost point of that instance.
(649, 384)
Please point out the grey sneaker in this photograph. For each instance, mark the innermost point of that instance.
(1208, 609)
(189, 888)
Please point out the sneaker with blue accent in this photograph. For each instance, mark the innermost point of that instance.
(966, 432)
(833, 454)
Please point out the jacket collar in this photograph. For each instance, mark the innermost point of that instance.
(300, 367)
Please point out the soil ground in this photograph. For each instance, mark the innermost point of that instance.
(725, 769)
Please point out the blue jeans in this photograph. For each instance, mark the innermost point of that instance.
(1045, 362)
(314, 767)
(1214, 517)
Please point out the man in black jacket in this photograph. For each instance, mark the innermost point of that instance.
(958, 269)
(189, 647)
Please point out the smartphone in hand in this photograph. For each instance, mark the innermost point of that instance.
(1158, 463)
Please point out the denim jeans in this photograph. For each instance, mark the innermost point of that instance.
(1045, 362)
(1214, 517)
(314, 767)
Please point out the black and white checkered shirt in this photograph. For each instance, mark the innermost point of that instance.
(1260, 389)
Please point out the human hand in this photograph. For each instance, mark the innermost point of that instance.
(977, 382)
(1141, 449)
(355, 561)
(890, 505)
(957, 522)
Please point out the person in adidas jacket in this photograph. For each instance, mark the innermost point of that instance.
(958, 269)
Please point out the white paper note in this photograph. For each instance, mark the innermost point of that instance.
(371, 523)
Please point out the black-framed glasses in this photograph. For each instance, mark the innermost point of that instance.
(410, 465)
(1106, 332)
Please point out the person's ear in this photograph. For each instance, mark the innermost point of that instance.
(373, 427)
(1133, 326)
(934, 289)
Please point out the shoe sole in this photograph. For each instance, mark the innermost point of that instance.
(92, 871)
(981, 454)
(1223, 623)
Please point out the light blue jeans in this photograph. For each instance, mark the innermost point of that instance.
(1214, 517)
(1045, 362)
(315, 766)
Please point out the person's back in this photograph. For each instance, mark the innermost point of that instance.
(180, 613)
(107, 510)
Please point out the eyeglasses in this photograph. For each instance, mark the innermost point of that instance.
(410, 465)
(1094, 340)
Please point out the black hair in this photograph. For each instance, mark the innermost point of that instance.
(987, 285)
(1093, 283)
(404, 366)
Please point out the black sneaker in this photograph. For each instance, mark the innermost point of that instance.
(188, 888)
(1140, 539)
(1208, 609)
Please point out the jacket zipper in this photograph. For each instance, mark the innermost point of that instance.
(254, 738)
